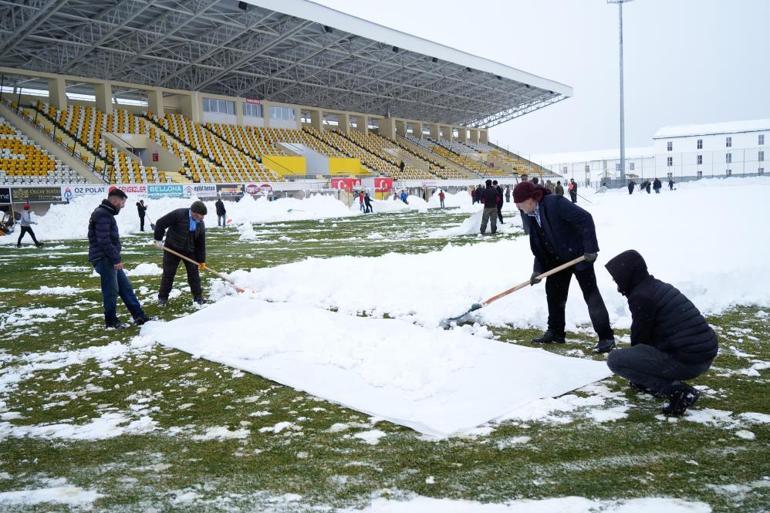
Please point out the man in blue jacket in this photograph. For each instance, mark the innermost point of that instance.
(670, 339)
(104, 255)
(560, 231)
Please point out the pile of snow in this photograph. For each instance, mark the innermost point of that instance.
(55, 291)
(431, 380)
(562, 504)
(145, 269)
(686, 236)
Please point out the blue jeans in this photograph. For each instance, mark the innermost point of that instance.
(115, 283)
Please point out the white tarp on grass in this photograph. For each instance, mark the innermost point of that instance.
(434, 381)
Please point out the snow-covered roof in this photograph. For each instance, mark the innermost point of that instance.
(592, 155)
(728, 127)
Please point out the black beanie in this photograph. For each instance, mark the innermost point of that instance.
(199, 208)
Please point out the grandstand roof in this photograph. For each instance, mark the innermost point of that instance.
(290, 51)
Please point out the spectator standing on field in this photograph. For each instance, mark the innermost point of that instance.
(141, 209)
(221, 212)
(26, 223)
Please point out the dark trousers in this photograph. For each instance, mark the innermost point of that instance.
(221, 220)
(141, 223)
(170, 265)
(650, 367)
(573, 197)
(115, 283)
(26, 229)
(557, 289)
(500, 213)
(489, 215)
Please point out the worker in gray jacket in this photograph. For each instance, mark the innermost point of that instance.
(26, 226)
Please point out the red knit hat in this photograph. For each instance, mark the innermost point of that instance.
(525, 190)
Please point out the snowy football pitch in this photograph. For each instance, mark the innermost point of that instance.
(114, 421)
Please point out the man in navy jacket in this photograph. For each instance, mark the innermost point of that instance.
(670, 339)
(560, 231)
(185, 233)
(104, 255)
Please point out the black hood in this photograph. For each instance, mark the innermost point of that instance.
(628, 269)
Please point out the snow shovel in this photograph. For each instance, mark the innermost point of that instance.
(204, 267)
(460, 319)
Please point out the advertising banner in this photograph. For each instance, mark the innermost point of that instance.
(5, 195)
(230, 190)
(165, 190)
(33, 194)
(200, 190)
(140, 189)
(344, 183)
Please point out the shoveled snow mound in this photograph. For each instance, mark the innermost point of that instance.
(434, 381)
(688, 238)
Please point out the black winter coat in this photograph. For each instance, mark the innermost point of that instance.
(569, 230)
(179, 237)
(488, 196)
(662, 316)
(220, 207)
(103, 236)
(141, 209)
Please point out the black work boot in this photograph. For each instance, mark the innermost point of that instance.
(116, 324)
(548, 337)
(605, 346)
(682, 397)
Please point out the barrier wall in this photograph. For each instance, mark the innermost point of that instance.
(284, 165)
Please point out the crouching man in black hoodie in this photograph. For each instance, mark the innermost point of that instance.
(670, 339)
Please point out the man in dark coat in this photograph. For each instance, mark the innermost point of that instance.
(104, 255)
(657, 185)
(141, 209)
(560, 231)
(221, 211)
(499, 200)
(670, 339)
(670, 184)
(631, 185)
(186, 234)
(489, 199)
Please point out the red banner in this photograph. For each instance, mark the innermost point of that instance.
(344, 183)
(383, 184)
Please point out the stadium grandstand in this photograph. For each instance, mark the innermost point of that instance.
(223, 91)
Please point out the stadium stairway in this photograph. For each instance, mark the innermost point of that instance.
(58, 151)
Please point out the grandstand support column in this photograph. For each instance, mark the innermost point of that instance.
(344, 125)
(298, 117)
(155, 102)
(316, 119)
(190, 105)
(417, 127)
(265, 113)
(474, 135)
(362, 123)
(434, 132)
(401, 127)
(446, 132)
(484, 136)
(388, 128)
(103, 93)
(462, 134)
(57, 92)
(239, 111)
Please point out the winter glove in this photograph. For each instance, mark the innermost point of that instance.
(534, 280)
(202, 266)
(159, 244)
(591, 257)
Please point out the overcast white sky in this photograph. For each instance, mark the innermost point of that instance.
(686, 61)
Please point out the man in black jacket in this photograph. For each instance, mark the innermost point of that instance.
(488, 196)
(670, 339)
(221, 218)
(141, 209)
(104, 255)
(185, 234)
(560, 231)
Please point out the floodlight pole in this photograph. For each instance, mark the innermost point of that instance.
(622, 122)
